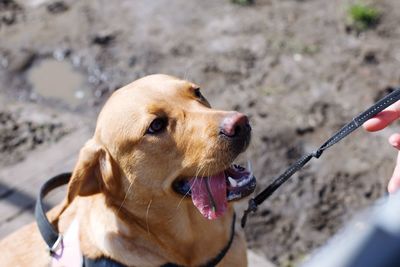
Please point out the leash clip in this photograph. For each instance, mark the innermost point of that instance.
(252, 207)
(52, 250)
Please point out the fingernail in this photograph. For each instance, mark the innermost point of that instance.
(392, 187)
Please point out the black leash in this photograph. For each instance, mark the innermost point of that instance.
(342, 133)
(54, 239)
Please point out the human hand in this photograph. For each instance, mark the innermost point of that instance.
(380, 121)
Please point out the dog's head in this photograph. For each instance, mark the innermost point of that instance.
(158, 138)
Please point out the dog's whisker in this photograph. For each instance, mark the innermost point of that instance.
(147, 216)
(191, 187)
(186, 74)
(126, 195)
(199, 169)
(182, 198)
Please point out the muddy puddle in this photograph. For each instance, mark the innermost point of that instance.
(58, 80)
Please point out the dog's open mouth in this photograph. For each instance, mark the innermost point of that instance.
(211, 194)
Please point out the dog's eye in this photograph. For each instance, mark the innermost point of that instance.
(197, 93)
(157, 125)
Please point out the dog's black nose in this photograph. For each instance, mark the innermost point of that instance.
(235, 125)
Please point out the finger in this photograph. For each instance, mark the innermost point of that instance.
(394, 183)
(383, 118)
(394, 140)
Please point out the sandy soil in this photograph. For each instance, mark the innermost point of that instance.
(290, 65)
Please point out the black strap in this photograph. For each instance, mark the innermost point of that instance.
(342, 133)
(50, 235)
(53, 238)
(101, 262)
(223, 252)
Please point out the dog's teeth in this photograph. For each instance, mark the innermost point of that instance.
(232, 181)
(245, 181)
(249, 166)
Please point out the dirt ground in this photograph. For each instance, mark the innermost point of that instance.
(291, 65)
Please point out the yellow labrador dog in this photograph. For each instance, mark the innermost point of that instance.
(153, 186)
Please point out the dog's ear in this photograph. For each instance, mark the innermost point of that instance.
(93, 171)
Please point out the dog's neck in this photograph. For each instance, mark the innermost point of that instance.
(136, 234)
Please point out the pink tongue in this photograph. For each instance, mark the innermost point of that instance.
(209, 195)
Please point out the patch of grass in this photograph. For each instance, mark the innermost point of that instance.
(363, 17)
(243, 2)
